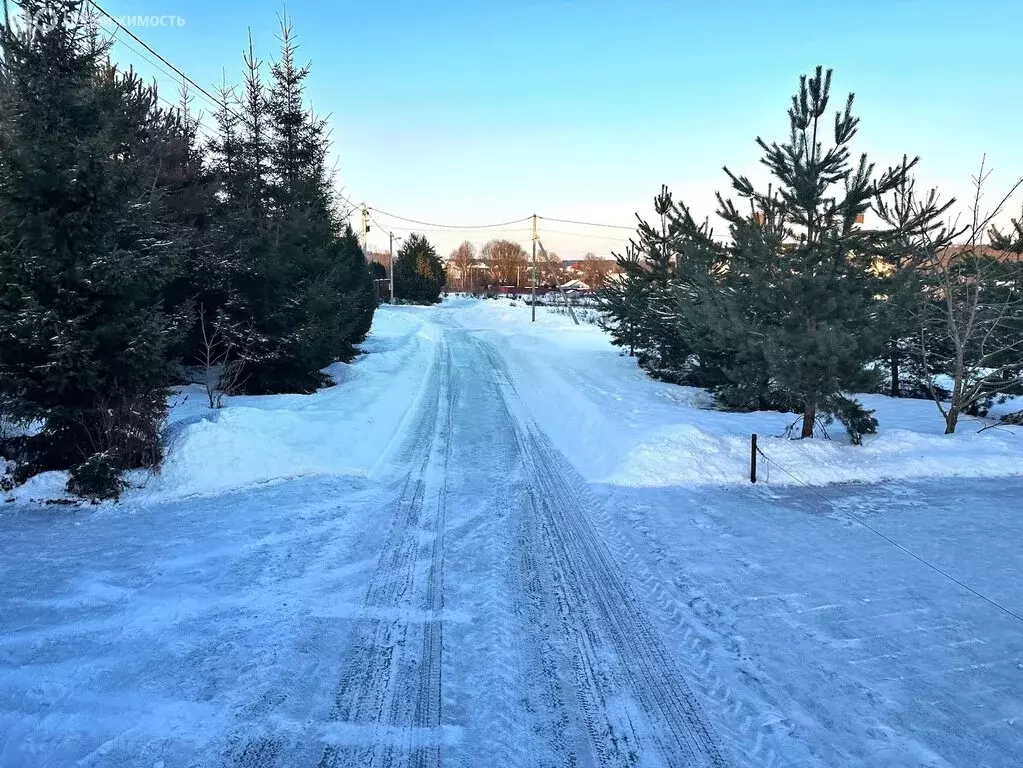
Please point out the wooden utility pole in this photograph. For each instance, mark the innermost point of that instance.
(533, 302)
(390, 266)
(365, 230)
(550, 267)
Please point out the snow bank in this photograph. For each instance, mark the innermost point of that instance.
(618, 426)
(344, 429)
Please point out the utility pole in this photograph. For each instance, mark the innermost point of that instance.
(533, 302)
(365, 230)
(390, 267)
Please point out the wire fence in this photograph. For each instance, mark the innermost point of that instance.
(856, 519)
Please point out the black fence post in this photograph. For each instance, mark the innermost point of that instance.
(753, 459)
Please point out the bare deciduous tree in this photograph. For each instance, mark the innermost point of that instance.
(460, 264)
(594, 270)
(970, 314)
(219, 358)
(552, 271)
(508, 262)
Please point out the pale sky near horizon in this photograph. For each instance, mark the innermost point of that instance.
(478, 112)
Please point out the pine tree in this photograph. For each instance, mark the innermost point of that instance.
(418, 272)
(623, 302)
(791, 311)
(86, 247)
(656, 307)
(916, 230)
(799, 278)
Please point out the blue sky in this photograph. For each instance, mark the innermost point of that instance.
(477, 112)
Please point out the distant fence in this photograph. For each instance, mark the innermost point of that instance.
(555, 299)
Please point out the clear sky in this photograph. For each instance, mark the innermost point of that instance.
(483, 111)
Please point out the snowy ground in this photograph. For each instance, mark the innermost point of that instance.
(342, 430)
(498, 544)
(585, 392)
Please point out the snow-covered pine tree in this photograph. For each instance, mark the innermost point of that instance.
(418, 272)
(86, 247)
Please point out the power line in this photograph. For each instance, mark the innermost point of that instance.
(449, 226)
(586, 223)
(183, 76)
(348, 200)
(850, 516)
(136, 51)
(165, 100)
(584, 234)
(219, 103)
(524, 230)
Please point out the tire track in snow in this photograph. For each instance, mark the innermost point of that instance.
(697, 624)
(738, 715)
(505, 681)
(392, 678)
(636, 704)
(429, 702)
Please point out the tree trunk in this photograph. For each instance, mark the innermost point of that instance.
(810, 403)
(951, 419)
(955, 407)
(893, 360)
(809, 415)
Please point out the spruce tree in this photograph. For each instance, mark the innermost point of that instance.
(203, 290)
(86, 247)
(418, 272)
(327, 274)
(356, 288)
(304, 285)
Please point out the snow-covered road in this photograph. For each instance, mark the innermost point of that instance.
(475, 601)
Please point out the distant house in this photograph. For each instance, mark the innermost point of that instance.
(577, 286)
(468, 279)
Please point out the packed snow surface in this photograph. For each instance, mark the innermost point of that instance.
(495, 543)
(619, 426)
